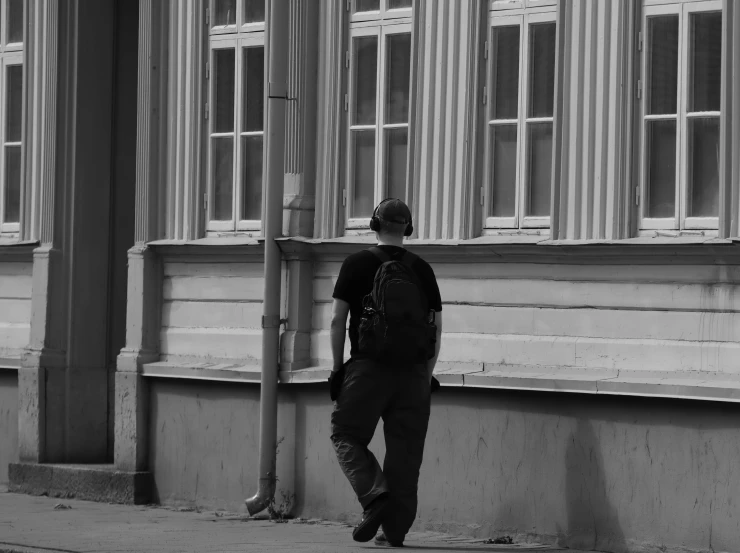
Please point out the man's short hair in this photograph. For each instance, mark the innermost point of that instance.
(392, 228)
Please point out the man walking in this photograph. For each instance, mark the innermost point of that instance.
(382, 379)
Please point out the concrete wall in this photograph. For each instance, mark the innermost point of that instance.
(8, 422)
(607, 473)
(15, 308)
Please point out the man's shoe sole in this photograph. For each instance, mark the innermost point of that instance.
(366, 530)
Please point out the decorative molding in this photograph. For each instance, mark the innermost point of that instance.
(151, 114)
(445, 117)
(40, 63)
(329, 218)
(186, 98)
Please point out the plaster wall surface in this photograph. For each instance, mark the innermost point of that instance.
(644, 317)
(8, 422)
(204, 443)
(15, 308)
(606, 473)
(212, 310)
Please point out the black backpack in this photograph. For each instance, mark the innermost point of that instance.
(397, 327)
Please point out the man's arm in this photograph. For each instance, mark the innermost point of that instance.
(337, 332)
(437, 344)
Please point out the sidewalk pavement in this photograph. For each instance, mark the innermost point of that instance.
(49, 525)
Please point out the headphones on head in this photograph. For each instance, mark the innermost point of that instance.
(375, 220)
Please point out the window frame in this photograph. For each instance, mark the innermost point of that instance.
(501, 16)
(381, 24)
(237, 37)
(680, 221)
(495, 5)
(11, 54)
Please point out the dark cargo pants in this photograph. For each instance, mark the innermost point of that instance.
(370, 392)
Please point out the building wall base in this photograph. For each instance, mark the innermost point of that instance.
(90, 482)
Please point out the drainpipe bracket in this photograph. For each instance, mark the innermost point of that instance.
(272, 321)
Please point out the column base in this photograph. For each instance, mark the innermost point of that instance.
(101, 483)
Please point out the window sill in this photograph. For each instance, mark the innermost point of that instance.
(230, 240)
(220, 372)
(10, 361)
(664, 384)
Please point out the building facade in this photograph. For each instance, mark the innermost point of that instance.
(573, 172)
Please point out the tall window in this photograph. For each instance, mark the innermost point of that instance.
(11, 98)
(379, 74)
(680, 102)
(236, 74)
(519, 103)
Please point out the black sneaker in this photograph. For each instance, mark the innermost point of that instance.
(382, 541)
(372, 518)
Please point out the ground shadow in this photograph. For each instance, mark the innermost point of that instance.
(593, 523)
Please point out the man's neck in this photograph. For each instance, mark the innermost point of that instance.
(390, 241)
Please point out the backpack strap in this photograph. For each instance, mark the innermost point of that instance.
(409, 259)
(380, 254)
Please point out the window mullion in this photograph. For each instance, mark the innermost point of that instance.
(521, 145)
(380, 184)
(239, 116)
(682, 103)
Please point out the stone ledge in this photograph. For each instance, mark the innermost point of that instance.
(90, 482)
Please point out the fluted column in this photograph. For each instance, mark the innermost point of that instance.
(447, 58)
(329, 220)
(300, 120)
(594, 99)
(185, 217)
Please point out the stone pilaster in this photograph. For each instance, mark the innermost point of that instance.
(144, 267)
(41, 198)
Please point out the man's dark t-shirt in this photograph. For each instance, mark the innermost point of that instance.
(356, 278)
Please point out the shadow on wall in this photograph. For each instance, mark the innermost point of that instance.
(593, 523)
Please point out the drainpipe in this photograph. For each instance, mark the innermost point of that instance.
(277, 92)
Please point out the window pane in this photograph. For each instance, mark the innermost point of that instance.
(663, 64)
(15, 21)
(225, 13)
(254, 89)
(542, 70)
(363, 152)
(503, 174)
(251, 177)
(399, 4)
(366, 76)
(399, 72)
(661, 168)
(704, 167)
(539, 169)
(223, 96)
(706, 58)
(254, 11)
(12, 184)
(367, 5)
(222, 171)
(396, 149)
(505, 72)
(14, 103)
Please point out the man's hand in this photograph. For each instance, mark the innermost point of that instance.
(336, 379)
